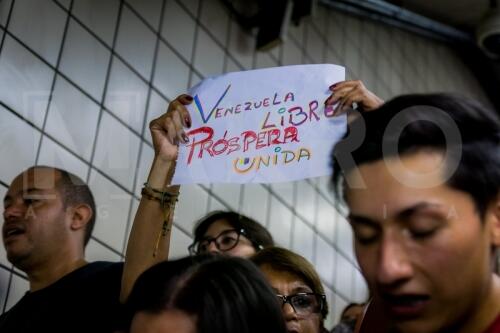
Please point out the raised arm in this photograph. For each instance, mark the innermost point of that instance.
(149, 239)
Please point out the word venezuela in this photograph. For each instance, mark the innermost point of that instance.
(281, 120)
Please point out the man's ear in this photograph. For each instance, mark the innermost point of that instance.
(80, 216)
(494, 215)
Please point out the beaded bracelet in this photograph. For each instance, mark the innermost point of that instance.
(167, 200)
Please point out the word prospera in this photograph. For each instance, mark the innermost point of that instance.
(203, 141)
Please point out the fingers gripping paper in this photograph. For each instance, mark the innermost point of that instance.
(261, 126)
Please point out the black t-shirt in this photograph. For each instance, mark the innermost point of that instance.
(85, 300)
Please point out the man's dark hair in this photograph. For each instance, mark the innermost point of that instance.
(74, 191)
(254, 231)
(427, 118)
(225, 294)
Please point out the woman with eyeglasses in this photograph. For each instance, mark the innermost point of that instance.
(297, 286)
(231, 234)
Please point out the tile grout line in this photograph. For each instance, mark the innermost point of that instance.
(105, 88)
(54, 79)
(143, 130)
(6, 27)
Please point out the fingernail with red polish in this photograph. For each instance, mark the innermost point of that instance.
(185, 138)
(333, 86)
(188, 122)
(189, 98)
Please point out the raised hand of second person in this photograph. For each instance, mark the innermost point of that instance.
(346, 93)
(167, 131)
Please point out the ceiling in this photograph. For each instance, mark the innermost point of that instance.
(458, 18)
(462, 14)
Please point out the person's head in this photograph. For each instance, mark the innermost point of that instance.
(349, 317)
(46, 209)
(201, 294)
(422, 188)
(296, 281)
(352, 311)
(229, 233)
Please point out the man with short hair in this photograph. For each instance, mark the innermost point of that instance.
(48, 219)
(49, 215)
(421, 178)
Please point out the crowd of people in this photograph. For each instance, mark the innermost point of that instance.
(419, 176)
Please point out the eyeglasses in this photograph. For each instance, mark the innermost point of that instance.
(224, 241)
(304, 304)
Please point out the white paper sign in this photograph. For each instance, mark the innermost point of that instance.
(261, 126)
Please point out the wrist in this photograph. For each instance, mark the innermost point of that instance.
(161, 172)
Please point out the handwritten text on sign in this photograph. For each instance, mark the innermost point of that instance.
(261, 126)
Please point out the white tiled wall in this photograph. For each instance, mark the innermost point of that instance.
(81, 79)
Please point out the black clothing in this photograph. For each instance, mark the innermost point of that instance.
(85, 300)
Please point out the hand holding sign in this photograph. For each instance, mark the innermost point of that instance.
(348, 92)
(168, 130)
(258, 126)
(261, 126)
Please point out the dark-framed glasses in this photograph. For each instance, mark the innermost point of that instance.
(225, 241)
(304, 304)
